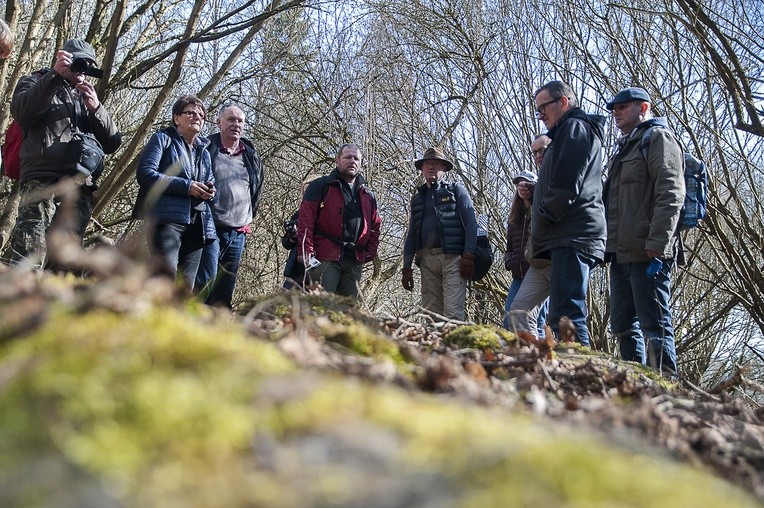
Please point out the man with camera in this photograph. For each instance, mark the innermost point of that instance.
(66, 133)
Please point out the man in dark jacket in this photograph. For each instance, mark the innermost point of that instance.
(441, 237)
(239, 183)
(51, 105)
(338, 227)
(568, 219)
(644, 198)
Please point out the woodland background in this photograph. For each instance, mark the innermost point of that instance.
(397, 77)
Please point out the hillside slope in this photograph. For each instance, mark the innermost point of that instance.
(120, 392)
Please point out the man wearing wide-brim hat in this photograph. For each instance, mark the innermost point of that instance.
(51, 105)
(441, 238)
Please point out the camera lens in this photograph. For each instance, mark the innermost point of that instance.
(82, 65)
(79, 65)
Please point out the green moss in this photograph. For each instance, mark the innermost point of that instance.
(172, 409)
(124, 397)
(478, 337)
(282, 311)
(339, 318)
(653, 374)
(364, 342)
(488, 459)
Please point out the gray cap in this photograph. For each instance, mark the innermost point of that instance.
(527, 176)
(633, 93)
(80, 49)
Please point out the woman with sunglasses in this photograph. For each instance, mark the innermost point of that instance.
(176, 187)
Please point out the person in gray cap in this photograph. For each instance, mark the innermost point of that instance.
(518, 235)
(53, 106)
(441, 238)
(643, 199)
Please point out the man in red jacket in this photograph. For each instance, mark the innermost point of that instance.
(338, 225)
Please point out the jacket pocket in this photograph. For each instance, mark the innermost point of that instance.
(633, 169)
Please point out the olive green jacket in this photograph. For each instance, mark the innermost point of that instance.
(643, 198)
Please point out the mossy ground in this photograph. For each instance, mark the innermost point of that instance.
(176, 408)
(479, 337)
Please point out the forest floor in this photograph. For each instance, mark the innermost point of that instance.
(557, 385)
(563, 382)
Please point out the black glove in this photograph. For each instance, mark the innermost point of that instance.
(408, 279)
(467, 265)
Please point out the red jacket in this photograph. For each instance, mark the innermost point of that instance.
(321, 220)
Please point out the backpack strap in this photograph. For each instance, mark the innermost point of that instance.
(644, 143)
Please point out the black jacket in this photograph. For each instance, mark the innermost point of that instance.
(567, 203)
(45, 105)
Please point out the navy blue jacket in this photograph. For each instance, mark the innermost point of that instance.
(165, 153)
(251, 161)
(455, 214)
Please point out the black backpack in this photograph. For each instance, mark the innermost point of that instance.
(483, 257)
(483, 250)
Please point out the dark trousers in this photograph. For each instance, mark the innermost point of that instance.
(178, 247)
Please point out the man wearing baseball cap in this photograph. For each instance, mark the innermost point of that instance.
(52, 106)
(643, 199)
(441, 238)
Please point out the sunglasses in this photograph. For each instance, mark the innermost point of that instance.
(192, 114)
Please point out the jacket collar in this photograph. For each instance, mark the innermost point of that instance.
(636, 132)
(214, 140)
(334, 177)
(200, 141)
(597, 122)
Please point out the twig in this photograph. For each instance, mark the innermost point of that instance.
(753, 385)
(443, 318)
(698, 389)
(549, 379)
(729, 382)
(755, 351)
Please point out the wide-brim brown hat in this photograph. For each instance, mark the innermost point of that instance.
(434, 154)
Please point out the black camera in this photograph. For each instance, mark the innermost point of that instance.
(290, 224)
(85, 67)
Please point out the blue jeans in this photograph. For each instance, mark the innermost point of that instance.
(568, 286)
(179, 247)
(639, 307)
(219, 266)
(511, 293)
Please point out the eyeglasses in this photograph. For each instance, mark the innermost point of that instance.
(541, 107)
(540, 151)
(193, 113)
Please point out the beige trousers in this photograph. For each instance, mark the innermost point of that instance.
(443, 288)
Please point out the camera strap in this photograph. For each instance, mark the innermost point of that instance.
(74, 126)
